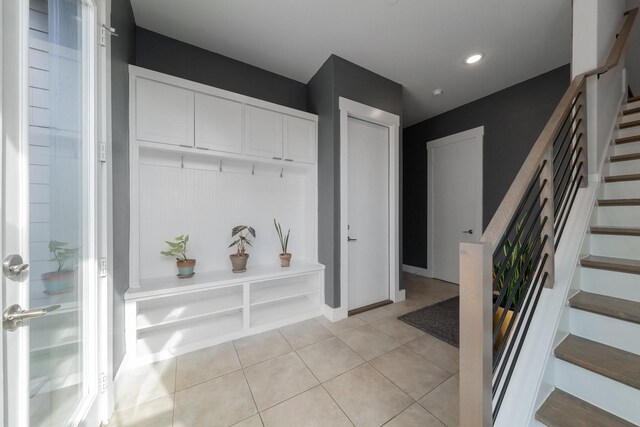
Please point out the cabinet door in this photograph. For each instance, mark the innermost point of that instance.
(218, 124)
(299, 139)
(262, 132)
(164, 113)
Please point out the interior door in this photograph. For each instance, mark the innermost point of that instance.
(49, 198)
(368, 210)
(453, 166)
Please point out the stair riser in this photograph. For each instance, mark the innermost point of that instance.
(626, 167)
(612, 396)
(628, 148)
(615, 246)
(610, 283)
(632, 131)
(605, 330)
(619, 215)
(622, 190)
(630, 117)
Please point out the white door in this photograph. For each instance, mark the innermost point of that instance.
(262, 132)
(49, 172)
(455, 187)
(368, 205)
(218, 124)
(299, 140)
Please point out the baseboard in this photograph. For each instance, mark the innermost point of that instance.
(334, 314)
(417, 270)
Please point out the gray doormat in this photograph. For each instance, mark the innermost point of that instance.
(440, 320)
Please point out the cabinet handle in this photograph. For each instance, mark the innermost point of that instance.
(185, 146)
(288, 160)
(202, 148)
(277, 158)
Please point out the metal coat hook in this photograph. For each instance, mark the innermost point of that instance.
(281, 172)
(220, 165)
(253, 169)
(181, 162)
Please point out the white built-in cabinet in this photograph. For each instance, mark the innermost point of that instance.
(201, 161)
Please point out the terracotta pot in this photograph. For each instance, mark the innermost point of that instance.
(503, 329)
(285, 260)
(58, 282)
(239, 263)
(185, 268)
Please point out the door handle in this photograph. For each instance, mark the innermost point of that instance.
(14, 315)
(349, 239)
(13, 266)
(469, 231)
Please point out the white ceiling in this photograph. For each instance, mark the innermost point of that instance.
(420, 44)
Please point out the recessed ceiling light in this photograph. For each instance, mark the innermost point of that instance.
(438, 92)
(473, 58)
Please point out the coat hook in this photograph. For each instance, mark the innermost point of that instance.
(220, 165)
(181, 162)
(281, 172)
(253, 169)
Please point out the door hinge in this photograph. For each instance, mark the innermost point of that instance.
(104, 382)
(104, 32)
(103, 267)
(103, 152)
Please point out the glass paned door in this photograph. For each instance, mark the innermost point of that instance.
(55, 355)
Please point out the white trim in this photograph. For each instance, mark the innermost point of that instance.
(478, 134)
(608, 149)
(417, 270)
(357, 110)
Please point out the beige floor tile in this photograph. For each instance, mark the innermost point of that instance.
(443, 402)
(206, 364)
(414, 416)
(157, 413)
(145, 383)
(403, 307)
(329, 358)
(279, 379)
(254, 421)
(261, 347)
(397, 329)
(302, 334)
(340, 326)
(367, 397)
(371, 316)
(409, 371)
(313, 408)
(439, 352)
(368, 342)
(223, 401)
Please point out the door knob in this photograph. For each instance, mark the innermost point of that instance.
(14, 314)
(469, 231)
(12, 266)
(349, 239)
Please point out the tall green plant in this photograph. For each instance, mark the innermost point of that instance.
(62, 254)
(284, 240)
(518, 258)
(241, 235)
(177, 249)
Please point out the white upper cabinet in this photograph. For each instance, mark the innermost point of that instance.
(299, 139)
(164, 113)
(218, 124)
(262, 132)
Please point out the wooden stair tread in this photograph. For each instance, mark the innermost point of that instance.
(622, 178)
(633, 99)
(631, 111)
(615, 230)
(628, 139)
(619, 202)
(613, 264)
(617, 308)
(624, 157)
(631, 124)
(562, 409)
(611, 362)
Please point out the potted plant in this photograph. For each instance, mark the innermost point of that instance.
(240, 234)
(178, 250)
(285, 257)
(519, 259)
(62, 279)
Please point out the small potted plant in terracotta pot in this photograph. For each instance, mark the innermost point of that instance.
(178, 250)
(240, 234)
(62, 279)
(285, 257)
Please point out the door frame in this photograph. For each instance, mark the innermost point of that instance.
(349, 108)
(478, 134)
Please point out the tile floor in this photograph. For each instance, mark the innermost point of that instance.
(368, 370)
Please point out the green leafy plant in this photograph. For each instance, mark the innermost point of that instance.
(177, 249)
(518, 257)
(62, 254)
(284, 240)
(240, 234)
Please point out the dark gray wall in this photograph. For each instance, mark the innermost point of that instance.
(341, 78)
(166, 55)
(122, 54)
(512, 118)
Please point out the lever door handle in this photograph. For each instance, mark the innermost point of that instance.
(469, 231)
(349, 239)
(14, 314)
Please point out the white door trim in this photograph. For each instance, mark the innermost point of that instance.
(478, 134)
(357, 110)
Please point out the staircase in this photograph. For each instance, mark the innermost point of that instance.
(596, 367)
